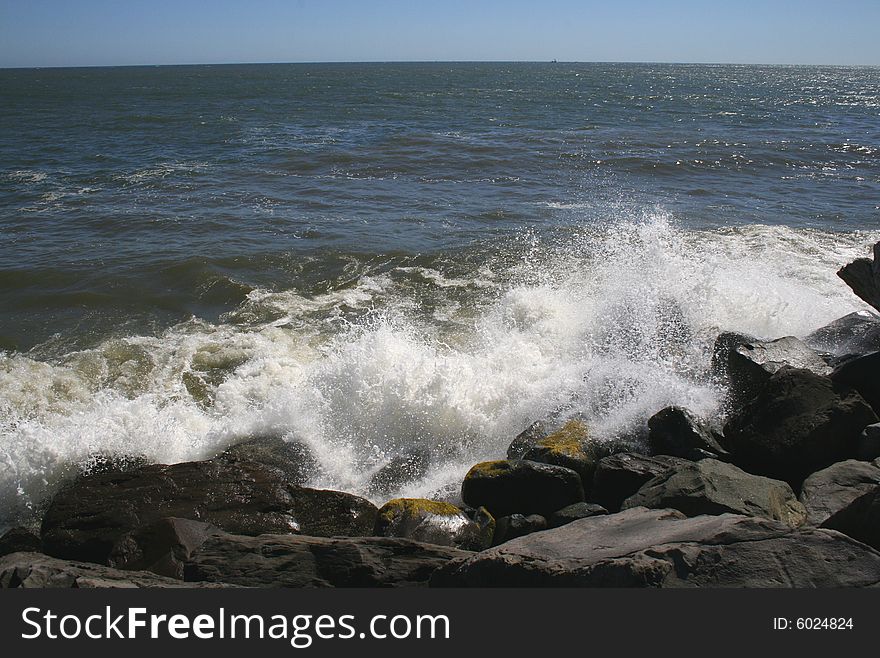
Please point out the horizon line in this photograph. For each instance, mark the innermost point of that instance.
(431, 61)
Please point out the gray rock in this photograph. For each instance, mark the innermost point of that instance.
(35, 570)
(19, 540)
(861, 373)
(860, 519)
(507, 487)
(662, 548)
(863, 277)
(162, 547)
(619, 476)
(293, 458)
(856, 333)
(300, 561)
(868, 446)
(86, 519)
(433, 522)
(828, 491)
(676, 431)
(569, 446)
(713, 487)
(574, 512)
(799, 423)
(400, 471)
(526, 440)
(517, 525)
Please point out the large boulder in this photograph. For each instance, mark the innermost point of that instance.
(861, 373)
(620, 475)
(507, 487)
(433, 522)
(799, 423)
(748, 362)
(863, 277)
(860, 519)
(856, 333)
(676, 431)
(162, 547)
(18, 539)
(828, 491)
(300, 561)
(571, 447)
(713, 487)
(663, 548)
(87, 518)
(400, 471)
(517, 525)
(293, 458)
(37, 571)
(868, 446)
(526, 440)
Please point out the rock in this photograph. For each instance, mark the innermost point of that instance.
(526, 440)
(860, 519)
(19, 540)
(570, 447)
(400, 471)
(521, 487)
(868, 446)
(619, 476)
(861, 373)
(432, 522)
(863, 277)
(34, 570)
(856, 333)
(828, 491)
(799, 423)
(517, 525)
(87, 518)
(748, 363)
(161, 547)
(676, 431)
(713, 487)
(300, 561)
(662, 548)
(293, 458)
(574, 512)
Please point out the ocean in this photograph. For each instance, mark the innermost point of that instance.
(375, 259)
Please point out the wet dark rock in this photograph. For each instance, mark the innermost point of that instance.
(400, 471)
(434, 522)
(571, 447)
(676, 431)
(662, 548)
(19, 540)
(830, 490)
(574, 512)
(620, 475)
(162, 547)
(863, 277)
(517, 525)
(800, 423)
(34, 570)
(293, 458)
(860, 519)
(300, 561)
(854, 334)
(713, 487)
(526, 439)
(748, 362)
(87, 518)
(868, 446)
(863, 374)
(521, 487)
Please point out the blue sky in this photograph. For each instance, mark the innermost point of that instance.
(120, 32)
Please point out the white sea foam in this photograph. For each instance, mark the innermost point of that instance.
(610, 325)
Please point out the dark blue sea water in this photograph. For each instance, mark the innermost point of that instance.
(371, 257)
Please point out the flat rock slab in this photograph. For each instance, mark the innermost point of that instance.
(35, 570)
(662, 548)
(300, 561)
(828, 491)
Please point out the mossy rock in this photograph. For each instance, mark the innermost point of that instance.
(570, 446)
(434, 522)
(506, 487)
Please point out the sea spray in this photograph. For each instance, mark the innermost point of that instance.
(608, 324)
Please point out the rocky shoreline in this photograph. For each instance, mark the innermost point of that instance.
(786, 493)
